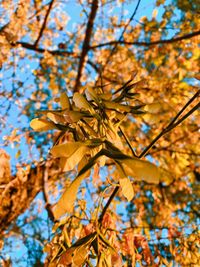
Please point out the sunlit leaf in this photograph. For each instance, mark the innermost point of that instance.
(42, 125)
(64, 101)
(116, 106)
(80, 255)
(154, 107)
(141, 170)
(105, 96)
(91, 95)
(72, 116)
(66, 202)
(81, 164)
(82, 103)
(127, 188)
(86, 240)
(66, 257)
(66, 149)
(69, 163)
(56, 118)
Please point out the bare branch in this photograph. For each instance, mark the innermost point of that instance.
(108, 204)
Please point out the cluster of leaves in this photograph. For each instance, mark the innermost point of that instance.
(90, 131)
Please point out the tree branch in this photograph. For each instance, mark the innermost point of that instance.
(44, 23)
(42, 50)
(18, 194)
(86, 42)
(167, 41)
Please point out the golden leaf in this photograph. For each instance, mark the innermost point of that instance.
(64, 101)
(66, 150)
(82, 103)
(72, 116)
(69, 163)
(80, 255)
(140, 170)
(91, 95)
(66, 202)
(116, 106)
(81, 164)
(56, 118)
(42, 125)
(127, 188)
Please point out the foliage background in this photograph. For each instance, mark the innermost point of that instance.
(44, 53)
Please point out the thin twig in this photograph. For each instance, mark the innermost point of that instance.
(127, 141)
(120, 38)
(44, 23)
(86, 42)
(122, 34)
(186, 105)
(147, 44)
(185, 116)
(108, 204)
(173, 124)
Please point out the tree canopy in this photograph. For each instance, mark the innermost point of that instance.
(99, 156)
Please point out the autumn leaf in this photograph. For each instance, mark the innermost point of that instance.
(72, 116)
(42, 125)
(80, 255)
(64, 101)
(78, 252)
(56, 118)
(66, 202)
(91, 95)
(116, 106)
(66, 149)
(127, 188)
(81, 164)
(70, 154)
(82, 103)
(139, 170)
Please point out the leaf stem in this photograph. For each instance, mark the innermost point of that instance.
(173, 123)
(127, 141)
